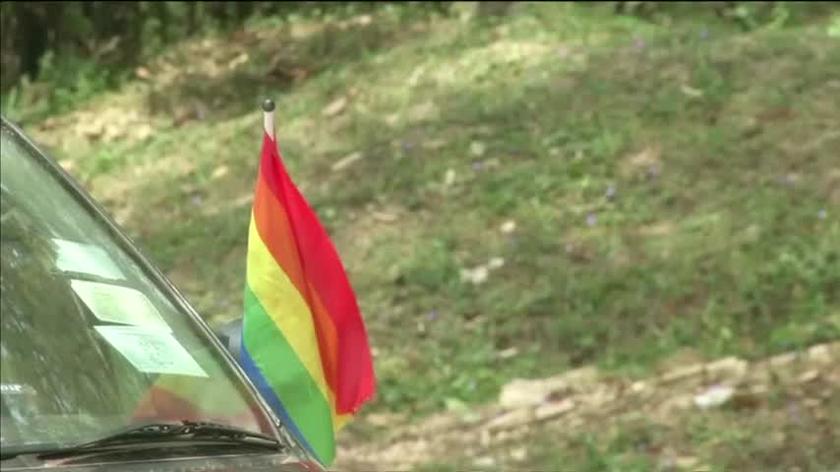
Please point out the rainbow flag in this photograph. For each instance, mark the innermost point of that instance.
(304, 344)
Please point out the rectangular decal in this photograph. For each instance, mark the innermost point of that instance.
(86, 259)
(151, 350)
(118, 304)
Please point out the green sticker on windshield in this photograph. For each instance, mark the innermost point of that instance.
(118, 304)
(86, 259)
(151, 350)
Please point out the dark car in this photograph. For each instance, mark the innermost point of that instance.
(105, 366)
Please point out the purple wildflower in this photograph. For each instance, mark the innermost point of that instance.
(794, 412)
(639, 43)
(591, 219)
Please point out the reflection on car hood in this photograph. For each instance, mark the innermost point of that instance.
(229, 463)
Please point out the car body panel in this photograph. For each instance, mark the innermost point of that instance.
(233, 462)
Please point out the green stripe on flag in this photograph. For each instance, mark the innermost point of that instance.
(288, 377)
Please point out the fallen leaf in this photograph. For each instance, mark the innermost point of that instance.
(475, 276)
(143, 131)
(728, 368)
(484, 462)
(346, 161)
(687, 462)
(434, 144)
(455, 404)
(495, 263)
(67, 165)
(714, 396)
(142, 73)
(414, 79)
(508, 227)
(392, 119)
(519, 454)
(520, 393)
(691, 91)
(449, 178)
(384, 217)
(243, 200)
(510, 420)
(238, 61)
(508, 353)
(809, 376)
(477, 148)
(219, 172)
(382, 419)
(648, 160)
(820, 354)
(553, 410)
(335, 107)
(423, 111)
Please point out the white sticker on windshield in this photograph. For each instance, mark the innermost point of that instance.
(118, 304)
(86, 259)
(16, 389)
(151, 350)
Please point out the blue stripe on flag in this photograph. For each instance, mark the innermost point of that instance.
(270, 397)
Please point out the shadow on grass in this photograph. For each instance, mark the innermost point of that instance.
(275, 66)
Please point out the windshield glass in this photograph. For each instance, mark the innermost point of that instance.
(90, 343)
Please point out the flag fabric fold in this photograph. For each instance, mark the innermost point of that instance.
(304, 343)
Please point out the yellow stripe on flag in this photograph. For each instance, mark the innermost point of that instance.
(287, 308)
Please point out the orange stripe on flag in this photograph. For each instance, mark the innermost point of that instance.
(273, 227)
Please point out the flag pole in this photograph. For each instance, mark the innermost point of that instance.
(268, 117)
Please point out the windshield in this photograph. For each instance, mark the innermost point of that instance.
(90, 343)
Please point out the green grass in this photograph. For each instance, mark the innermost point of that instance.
(720, 233)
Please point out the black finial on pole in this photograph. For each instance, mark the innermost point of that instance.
(268, 105)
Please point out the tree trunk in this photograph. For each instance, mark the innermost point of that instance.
(31, 39)
(162, 13)
(243, 10)
(191, 18)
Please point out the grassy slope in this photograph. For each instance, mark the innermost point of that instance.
(671, 187)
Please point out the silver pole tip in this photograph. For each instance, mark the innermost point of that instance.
(268, 105)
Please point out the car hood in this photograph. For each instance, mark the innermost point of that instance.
(233, 462)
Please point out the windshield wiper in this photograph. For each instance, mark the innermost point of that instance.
(188, 431)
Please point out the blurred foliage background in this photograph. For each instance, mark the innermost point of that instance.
(90, 46)
(516, 189)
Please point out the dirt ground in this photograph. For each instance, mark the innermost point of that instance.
(554, 409)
